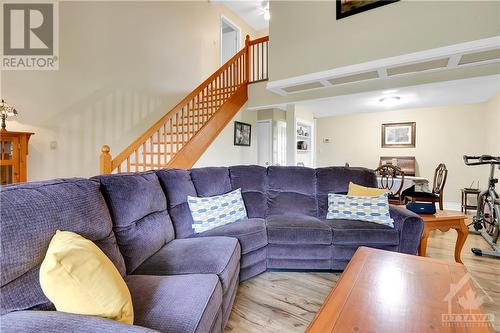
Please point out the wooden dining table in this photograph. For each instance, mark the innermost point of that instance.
(421, 183)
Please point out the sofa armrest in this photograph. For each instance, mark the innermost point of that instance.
(410, 227)
(54, 321)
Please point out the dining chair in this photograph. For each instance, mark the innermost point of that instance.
(389, 176)
(440, 175)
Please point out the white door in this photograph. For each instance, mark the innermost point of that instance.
(265, 142)
(230, 39)
(280, 153)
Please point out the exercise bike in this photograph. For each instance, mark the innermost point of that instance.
(487, 219)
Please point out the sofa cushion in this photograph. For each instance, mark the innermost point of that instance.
(177, 185)
(30, 215)
(78, 278)
(350, 232)
(211, 181)
(292, 190)
(251, 233)
(370, 209)
(208, 255)
(181, 303)
(297, 229)
(252, 180)
(336, 180)
(138, 208)
(364, 191)
(215, 211)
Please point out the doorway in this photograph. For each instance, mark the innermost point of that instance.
(280, 151)
(230, 39)
(265, 142)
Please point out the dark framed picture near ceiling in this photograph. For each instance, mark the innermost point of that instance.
(399, 135)
(347, 8)
(242, 134)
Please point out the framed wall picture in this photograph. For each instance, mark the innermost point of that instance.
(398, 135)
(242, 134)
(347, 8)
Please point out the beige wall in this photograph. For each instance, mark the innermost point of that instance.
(122, 66)
(444, 134)
(492, 123)
(223, 152)
(306, 37)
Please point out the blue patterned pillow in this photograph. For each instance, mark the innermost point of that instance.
(211, 212)
(371, 209)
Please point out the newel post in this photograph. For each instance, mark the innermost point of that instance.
(105, 160)
(247, 56)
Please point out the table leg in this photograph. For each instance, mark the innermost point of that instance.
(422, 249)
(462, 233)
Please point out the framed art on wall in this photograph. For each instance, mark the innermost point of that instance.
(347, 8)
(242, 134)
(398, 135)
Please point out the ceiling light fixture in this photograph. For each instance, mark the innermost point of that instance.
(390, 101)
(264, 10)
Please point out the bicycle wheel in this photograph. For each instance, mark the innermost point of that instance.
(489, 217)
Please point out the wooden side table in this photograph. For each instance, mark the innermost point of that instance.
(465, 193)
(445, 220)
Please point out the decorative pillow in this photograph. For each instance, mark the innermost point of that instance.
(211, 212)
(79, 278)
(362, 191)
(370, 209)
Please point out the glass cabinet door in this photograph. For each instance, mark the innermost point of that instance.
(9, 161)
(6, 174)
(6, 149)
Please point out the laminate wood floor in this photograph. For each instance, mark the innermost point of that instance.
(287, 301)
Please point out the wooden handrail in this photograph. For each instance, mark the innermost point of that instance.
(160, 145)
(259, 40)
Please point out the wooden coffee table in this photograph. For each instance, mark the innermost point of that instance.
(382, 291)
(445, 220)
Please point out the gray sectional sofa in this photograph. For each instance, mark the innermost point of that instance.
(181, 281)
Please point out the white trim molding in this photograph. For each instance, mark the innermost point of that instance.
(233, 25)
(444, 58)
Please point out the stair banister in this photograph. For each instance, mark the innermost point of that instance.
(220, 92)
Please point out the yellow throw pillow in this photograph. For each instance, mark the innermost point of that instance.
(79, 278)
(362, 191)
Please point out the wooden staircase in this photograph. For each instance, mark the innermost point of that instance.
(181, 136)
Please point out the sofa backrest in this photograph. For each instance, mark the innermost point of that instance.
(177, 185)
(138, 208)
(205, 182)
(291, 190)
(266, 191)
(336, 180)
(253, 181)
(30, 215)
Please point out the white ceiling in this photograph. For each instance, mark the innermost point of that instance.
(249, 11)
(465, 91)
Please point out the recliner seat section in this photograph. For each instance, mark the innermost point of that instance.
(30, 215)
(251, 232)
(182, 281)
(137, 199)
(297, 238)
